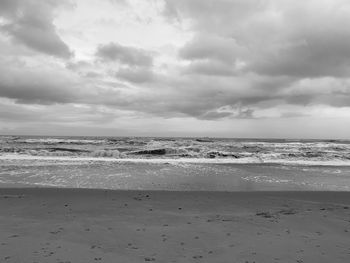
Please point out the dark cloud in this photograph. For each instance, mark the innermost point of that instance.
(191, 98)
(31, 87)
(35, 94)
(246, 114)
(210, 97)
(123, 54)
(8, 8)
(206, 97)
(170, 12)
(273, 38)
(310, 53)
(31, 23)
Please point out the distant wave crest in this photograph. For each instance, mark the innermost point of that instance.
(227, 150)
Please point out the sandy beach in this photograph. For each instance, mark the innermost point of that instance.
(167, 131)
(80, 225)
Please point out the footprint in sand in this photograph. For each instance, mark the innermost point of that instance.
(94, 246)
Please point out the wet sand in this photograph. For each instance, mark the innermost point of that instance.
(80, 225)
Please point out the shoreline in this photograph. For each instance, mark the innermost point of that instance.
(97, 225)
(189, 160)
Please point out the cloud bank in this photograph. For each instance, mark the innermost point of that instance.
(183, 63)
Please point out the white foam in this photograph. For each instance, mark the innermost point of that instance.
(56, 141)
(248, 160)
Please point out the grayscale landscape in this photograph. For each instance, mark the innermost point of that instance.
(174, 131)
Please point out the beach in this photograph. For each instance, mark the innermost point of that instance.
(86, 225)
(72, 199)
(193, 131)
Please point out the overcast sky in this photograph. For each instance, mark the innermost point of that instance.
(226, 68)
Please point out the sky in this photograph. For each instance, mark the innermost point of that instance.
(216, 68)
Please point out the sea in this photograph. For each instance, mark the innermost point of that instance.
(171, 163)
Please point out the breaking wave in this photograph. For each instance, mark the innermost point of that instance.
(192, 149)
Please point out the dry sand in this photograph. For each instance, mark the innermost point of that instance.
(72, 225)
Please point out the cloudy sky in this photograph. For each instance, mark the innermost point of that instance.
(227, 68)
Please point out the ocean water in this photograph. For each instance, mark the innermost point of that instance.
(175, 163)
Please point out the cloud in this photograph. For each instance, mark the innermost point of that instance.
(209, 67)
(212, 55)
(213, 16)
(326, 90)
(29, 86)
(8, 8)
(58, 113)
(308, 54)
(135, 75)
(235, 111)
(123, 54)
(195, 61)
(31, 24)
(293, 114)
(210, 47)
(10, 112)
(271, 38)
(119, 2)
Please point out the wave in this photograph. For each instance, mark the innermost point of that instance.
(107, 153)
(180, 152)
(53, 141)
(150, 151)
(60, 151)
(222, 150)
(249, 160)
(175, 152)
